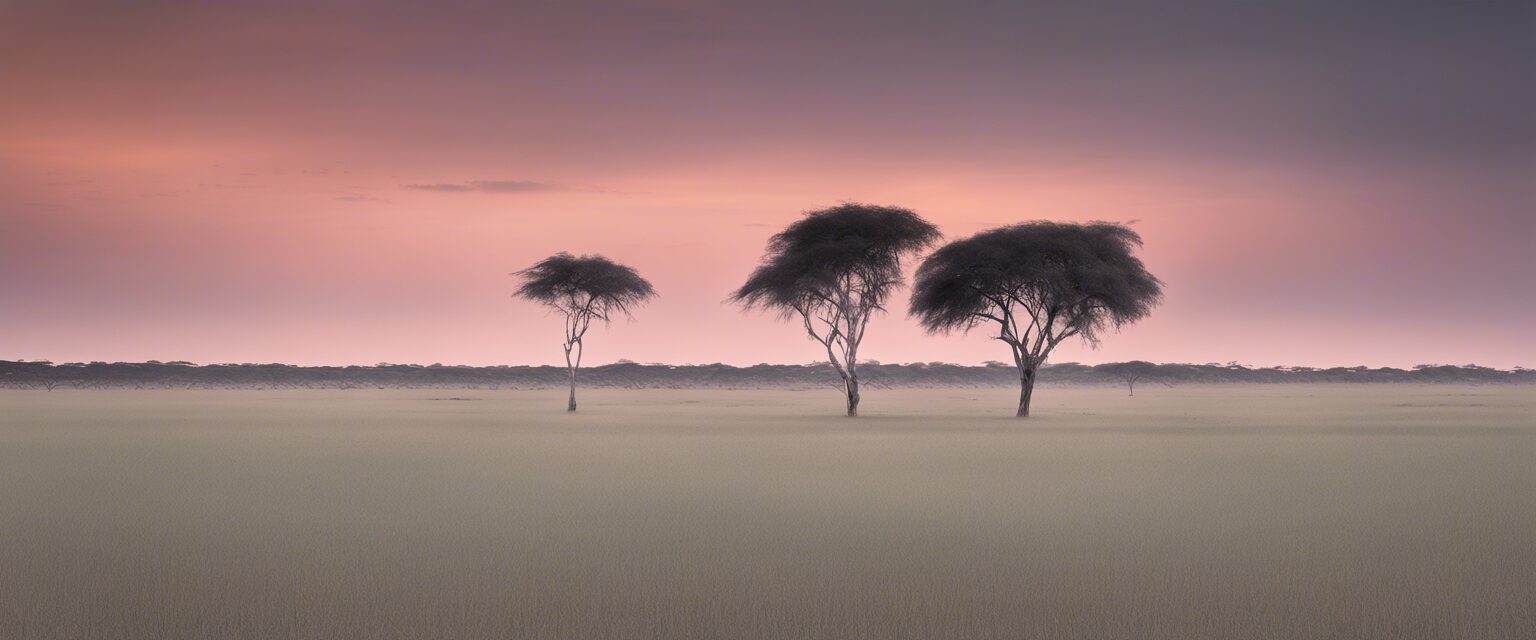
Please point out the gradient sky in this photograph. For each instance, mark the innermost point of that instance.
(1318, 183)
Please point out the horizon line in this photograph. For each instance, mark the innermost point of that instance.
(623, 361)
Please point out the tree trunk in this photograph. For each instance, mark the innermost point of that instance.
(1132, 385)
(1026, 389)
(851, 383)
(571, 406)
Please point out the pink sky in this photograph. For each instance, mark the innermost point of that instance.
(227, 183)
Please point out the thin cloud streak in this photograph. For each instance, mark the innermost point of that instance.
(488, 186)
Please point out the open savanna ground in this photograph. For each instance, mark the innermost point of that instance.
(1297, 511)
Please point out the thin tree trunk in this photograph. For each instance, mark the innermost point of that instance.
(851, 383)
(1026, 389)
(570, 368)
(573, 340)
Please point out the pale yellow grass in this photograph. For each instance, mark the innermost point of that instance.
(1192, 512)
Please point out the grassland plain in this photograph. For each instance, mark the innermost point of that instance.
(1298, 511)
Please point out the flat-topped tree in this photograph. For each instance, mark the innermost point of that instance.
(1040, 283)
(1129, 372)
(582, 289)
(832, 270)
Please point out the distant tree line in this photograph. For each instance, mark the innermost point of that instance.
(184, 375)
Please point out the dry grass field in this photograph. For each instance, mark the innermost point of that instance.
(1193, 512)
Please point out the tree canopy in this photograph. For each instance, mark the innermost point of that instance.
(585, 284)
(815, 257)
(1073, 279)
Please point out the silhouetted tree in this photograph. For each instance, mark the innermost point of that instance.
(1129, 372)
(833, 269)
(582, 289)
(1041, 282)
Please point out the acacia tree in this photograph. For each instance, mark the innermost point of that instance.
(582, 289)
(1041, 283)
(833, 270)
(1129, 372)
